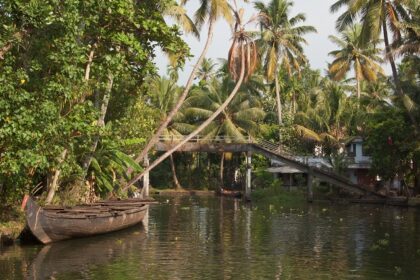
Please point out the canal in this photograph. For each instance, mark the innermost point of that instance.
(221, 238)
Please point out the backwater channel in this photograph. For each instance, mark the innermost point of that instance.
(206, 237)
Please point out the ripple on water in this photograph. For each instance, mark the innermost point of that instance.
(213, 238)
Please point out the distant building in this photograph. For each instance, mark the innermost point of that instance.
(359, 162)
(357, 167)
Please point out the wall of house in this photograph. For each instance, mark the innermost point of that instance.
(359, 154)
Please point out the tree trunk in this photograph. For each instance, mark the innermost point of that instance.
(198, 129)
(222, 161)
(176, 182)
(52, 183)
(4, 50)
(101, 123)
(52, 187)
(180, 101)
(395, 77)
(294, 102)
(279, 106)
(416, 171)
(358, 88)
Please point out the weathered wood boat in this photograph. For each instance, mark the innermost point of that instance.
(51, 224)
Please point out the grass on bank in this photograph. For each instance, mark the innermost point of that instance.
(12, 222)
(271, 191)
(277, 195)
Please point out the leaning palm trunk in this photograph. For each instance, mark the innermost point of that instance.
(101, 123)
(198, 129)
(180, 101)
(176, 182)
(395, 73)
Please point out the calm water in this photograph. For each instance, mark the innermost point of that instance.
(219, 238)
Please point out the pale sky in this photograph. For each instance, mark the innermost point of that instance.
(317, 14)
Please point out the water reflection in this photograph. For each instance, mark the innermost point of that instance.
(222, 238)
(79, 256)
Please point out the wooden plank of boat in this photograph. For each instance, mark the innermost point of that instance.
(124, 203)
(51, 226)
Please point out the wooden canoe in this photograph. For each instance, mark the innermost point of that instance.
(51, 224)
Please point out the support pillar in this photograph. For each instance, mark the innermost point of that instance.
(248, 176)
(146, 178)
(310, 193)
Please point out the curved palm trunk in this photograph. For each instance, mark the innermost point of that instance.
(175, 178)
(181, 99)
(279, 106)
(198, 129)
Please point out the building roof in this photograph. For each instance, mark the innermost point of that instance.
(284, 169)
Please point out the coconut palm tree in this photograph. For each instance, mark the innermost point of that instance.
(163, 94)
(207, 70)
(209, 11)
(281, 42)
(242, 62)
(377, 15)
(363, 58)
(410, 29)
(239, 120)
(331, 117)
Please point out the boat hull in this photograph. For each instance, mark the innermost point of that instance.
(50, 226)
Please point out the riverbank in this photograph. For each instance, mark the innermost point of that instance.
(176, 192)
(279, 196)
(12, 223)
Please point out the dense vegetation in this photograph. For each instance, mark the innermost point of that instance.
(81, 104)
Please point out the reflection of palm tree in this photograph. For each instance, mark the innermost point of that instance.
(281, 42)
(364, 58)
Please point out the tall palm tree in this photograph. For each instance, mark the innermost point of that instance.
(281, 42)
(363, 57)
(242, 63)
(377, 15)
(163, 94)
(331, 117)
(239, 120)
(410, 29)
(209, 10)
(207, 70)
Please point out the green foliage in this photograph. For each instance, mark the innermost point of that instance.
(391, 143)
(55, 60)
(109, 165)
(276, 195)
